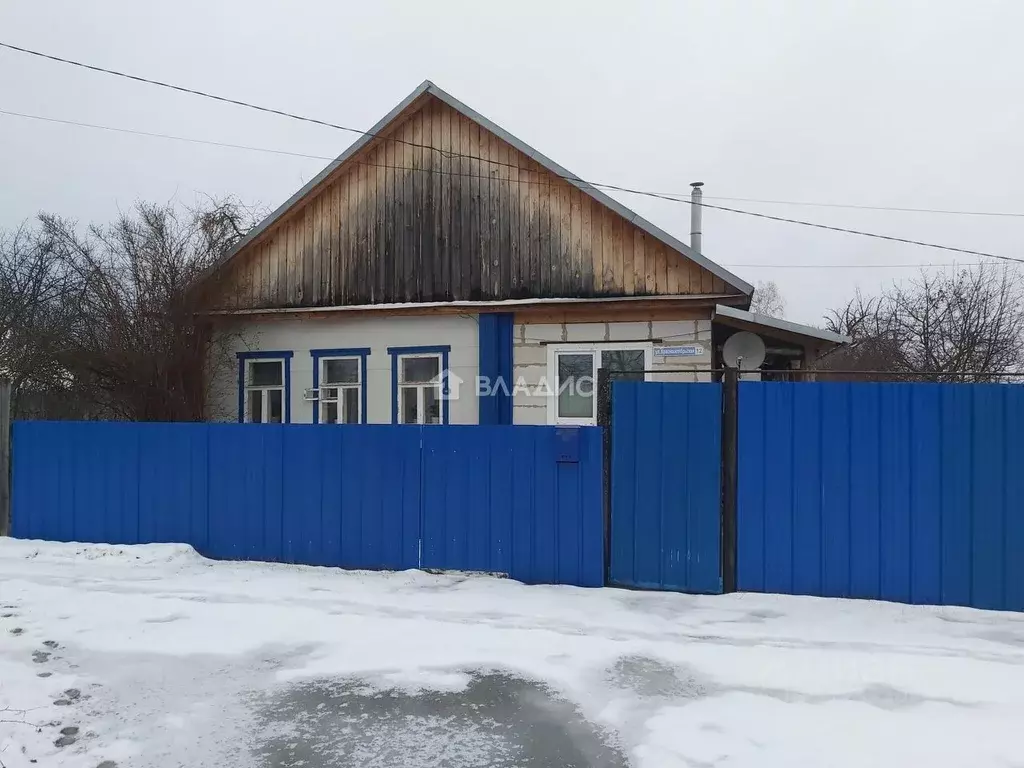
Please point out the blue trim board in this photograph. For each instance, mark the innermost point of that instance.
(320, 354)
(261, 355)
(396, 352)
(496, 365)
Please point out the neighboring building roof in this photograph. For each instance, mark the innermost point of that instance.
(428, 87)
(745, 318)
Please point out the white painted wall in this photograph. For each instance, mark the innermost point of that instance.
(300, 335)
(530, 355)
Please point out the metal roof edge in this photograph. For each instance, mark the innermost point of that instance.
(631, 216)
(308, 187)
(698, 299)
(429, 87)
(781, 325)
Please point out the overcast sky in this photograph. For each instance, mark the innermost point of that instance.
(893, 103)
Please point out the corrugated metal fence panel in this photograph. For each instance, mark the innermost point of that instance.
(472, 498)
(497, 499)
(893, 491)
(666, 486)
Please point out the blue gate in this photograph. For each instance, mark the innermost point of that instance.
(893, 491)
(666, 486)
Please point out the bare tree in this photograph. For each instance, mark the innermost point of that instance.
(36, 304)
(960, 326)
(122, 327)
(768, 299)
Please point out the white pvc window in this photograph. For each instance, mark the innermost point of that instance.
(264, 391)
(341, 390)
(419, 389)
(572, 376)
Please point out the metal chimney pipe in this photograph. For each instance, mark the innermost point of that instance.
(696, 208)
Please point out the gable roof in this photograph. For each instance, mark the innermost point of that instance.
(427, 87)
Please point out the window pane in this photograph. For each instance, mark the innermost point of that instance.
(329, 413)
(328, 394)
(350, 405)
(576, 386)
(341, 371)
(255, 407)
(275, 399)
(432, 405)
(266, 374)
(420, 370)
(407, 409)
(629, 361)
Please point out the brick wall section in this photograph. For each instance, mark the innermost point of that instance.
(530, 354)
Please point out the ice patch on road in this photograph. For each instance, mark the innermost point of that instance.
(415, 681)
(497, 720)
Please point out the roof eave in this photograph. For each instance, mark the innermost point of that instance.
(631, 216)
(787, 326)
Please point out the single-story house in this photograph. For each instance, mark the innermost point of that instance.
(443, 271)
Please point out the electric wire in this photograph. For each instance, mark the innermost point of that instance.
(572, 179)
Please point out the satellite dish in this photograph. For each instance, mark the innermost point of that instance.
(743, 350)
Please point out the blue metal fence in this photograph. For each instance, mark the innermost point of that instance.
(666, 486)
(501, 499)
(906, 492)
(895, 491)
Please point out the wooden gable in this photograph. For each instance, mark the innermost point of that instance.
(439, 208)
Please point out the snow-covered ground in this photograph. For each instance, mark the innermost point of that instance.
(161, 658)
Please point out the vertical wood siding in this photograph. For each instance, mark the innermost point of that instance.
(440, 209)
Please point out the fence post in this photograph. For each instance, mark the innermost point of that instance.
(730, 448)
(5, 457)
(604, 420)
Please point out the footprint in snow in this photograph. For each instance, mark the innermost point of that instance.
(40, 657)
(69, 697)
(16, 631)
(68, 736)
(50, 643)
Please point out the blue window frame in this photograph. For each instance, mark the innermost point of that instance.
(419, 390)
(339, 406)
(265, 392)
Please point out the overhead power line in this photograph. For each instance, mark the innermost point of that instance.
(181, 88)
(328, 124)
(851, 265)
(612, 187)
(676, 197)
(862, 233)
(134, 132)
(854, 206)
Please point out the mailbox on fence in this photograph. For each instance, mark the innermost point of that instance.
(567, 445)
